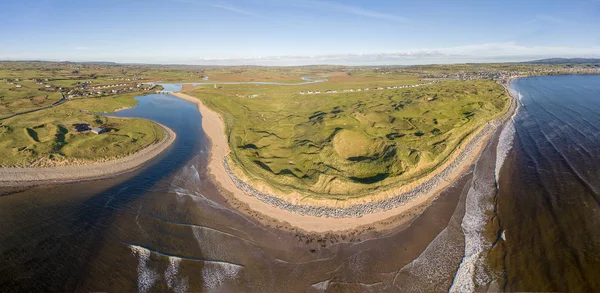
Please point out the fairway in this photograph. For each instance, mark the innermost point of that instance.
(48, 138)
(348, 144)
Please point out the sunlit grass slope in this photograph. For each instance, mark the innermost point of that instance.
(47, 137)
(350, 143)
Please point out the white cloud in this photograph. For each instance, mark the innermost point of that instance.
(82, 48)
(488, 52)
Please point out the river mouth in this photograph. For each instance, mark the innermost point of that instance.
(166, 227)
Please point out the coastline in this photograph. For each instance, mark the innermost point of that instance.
(320, 218)
(64, 174)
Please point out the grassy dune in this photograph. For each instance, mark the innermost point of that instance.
(47, 137)
(347, 144)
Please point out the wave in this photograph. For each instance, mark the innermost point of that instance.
(177, 284)
(146, 276)
(214, 275)
(214, 272)
(430, 271)
(471, 271)
(505, 145)
(321, 286)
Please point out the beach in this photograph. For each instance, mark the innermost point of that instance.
(378, 211)
(87, 171)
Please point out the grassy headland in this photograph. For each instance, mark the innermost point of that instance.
(349, 143)
(48, 138)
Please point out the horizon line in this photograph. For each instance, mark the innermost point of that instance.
(304, 65)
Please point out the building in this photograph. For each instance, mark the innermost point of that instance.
(81, 127)
(98, 130)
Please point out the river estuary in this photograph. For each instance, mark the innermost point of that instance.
(524, 218)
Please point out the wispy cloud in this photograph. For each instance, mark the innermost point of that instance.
(487, 52)
(353, 10)
(541, 18)
(81, 48)
(233, 8)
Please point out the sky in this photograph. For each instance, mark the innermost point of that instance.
(298, 32)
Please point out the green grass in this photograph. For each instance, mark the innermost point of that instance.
(104, 104)
(350, 143)
(47, 137)
(29, 96)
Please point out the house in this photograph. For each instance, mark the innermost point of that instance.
(19, 86)
(98, 130)
(47, 86)
(81, 127)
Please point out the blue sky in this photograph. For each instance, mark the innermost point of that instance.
(280, 32)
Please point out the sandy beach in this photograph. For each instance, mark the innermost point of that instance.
(292, 213)
(91, 171)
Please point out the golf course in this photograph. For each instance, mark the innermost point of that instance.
(47, 137)
(342, 144)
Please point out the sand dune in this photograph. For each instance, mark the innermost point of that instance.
(290, 208)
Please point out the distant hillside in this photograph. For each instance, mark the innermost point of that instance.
(566, 61)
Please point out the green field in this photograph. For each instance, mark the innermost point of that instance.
(105, 104)
(350, 143)
(47, 137)
(345, 143)
(29, 96)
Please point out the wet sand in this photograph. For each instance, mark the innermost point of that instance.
(89, 171)
(169, 227)
(274, 216)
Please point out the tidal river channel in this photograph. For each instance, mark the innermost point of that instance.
(166, 228)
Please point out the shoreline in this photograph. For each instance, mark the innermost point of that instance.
(322, 219)
(23, 176)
